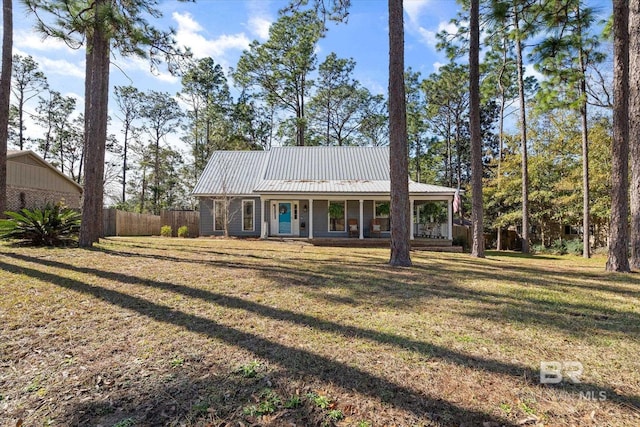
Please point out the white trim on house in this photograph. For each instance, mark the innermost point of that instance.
(253, 214)
(344, 216)
(215, 214)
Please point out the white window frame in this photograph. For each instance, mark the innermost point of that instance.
(344, 211)
(215, 201)
(253, 214)
(388, 216)
(374, 208)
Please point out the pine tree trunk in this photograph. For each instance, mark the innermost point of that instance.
(5, 96)
(634, 129)
(477, 247)
(586, 221)
(96, 115)
(398, 156)
(618, 226)
(523, 137)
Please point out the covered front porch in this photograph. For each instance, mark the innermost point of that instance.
(340, 217)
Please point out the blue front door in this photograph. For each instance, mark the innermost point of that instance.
(284, 218)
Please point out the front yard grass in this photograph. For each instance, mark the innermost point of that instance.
(153, 331)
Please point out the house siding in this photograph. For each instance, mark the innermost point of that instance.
(30, 198)
(235, 226)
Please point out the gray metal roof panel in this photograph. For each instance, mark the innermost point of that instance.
(302, 170)
(231, 172)
(343, 186)
(328, 163)
(322, 186)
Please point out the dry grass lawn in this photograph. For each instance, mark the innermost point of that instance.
(152, 331)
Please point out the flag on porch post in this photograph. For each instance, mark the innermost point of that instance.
(456, 201)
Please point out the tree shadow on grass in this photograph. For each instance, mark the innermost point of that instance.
(296, 361)
(301, 361)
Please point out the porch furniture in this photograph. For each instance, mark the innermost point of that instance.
(354, 231)
(376, 227)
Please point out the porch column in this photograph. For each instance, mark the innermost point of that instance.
(263, 218)
(310, 219)
(411, 236)
(450, 218)
(361, 219)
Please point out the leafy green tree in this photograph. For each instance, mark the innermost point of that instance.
(28, 82)
(162, 114)
(399, 161)
(416, 124)
(447, 98)
(518, 18)
(205, 90)
(252, 123)
(334, 10)
(374, 123)
(335, 107)
(281, 66)
(54, 116)
(101, 26)
(564, 57)
(129, 100)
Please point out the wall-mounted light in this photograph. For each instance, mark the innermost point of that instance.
(304, 209)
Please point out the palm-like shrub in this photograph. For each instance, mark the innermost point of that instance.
(53, 225)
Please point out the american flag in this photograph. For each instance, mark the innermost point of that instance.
(456, 201)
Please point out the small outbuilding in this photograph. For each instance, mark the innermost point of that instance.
(313, 192)
(32, 182)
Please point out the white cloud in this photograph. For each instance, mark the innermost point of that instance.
(259, 25)
(529, 70)
(260, 19)
(189, 34)
(186, 23)
(31, 40)
(428, 37)
(61, 67)
(437, 65)
(414, 8)
(137, 64)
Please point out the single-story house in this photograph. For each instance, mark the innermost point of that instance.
(312, 192)
(32, 182)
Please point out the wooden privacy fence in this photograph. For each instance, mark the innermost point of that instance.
(120, 223)
(177, 219)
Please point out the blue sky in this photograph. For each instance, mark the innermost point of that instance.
(222, 29)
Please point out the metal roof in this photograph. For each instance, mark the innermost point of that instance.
(344, 186)
(231, 173)
(340, 170)
(328, 163)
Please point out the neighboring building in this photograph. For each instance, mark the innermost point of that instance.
(32, 183)
(312, 192)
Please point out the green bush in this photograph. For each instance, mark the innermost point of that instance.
(559, 247)
(574, 247)
(165, 231)
(183, 231)
(53, 225)
(539, 249)
(461, 241)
